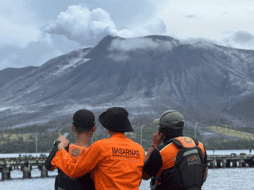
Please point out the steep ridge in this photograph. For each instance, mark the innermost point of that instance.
(9, 74)
(136, 73)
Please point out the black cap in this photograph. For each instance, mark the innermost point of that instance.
(84, 119)
(116, 119)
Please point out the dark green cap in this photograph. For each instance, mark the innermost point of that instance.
(168, 118)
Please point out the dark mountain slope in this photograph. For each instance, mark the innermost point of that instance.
(138, 74)
(9, 74)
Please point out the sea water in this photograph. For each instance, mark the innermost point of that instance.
(218, 178)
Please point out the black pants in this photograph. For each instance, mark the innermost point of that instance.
(56, 183)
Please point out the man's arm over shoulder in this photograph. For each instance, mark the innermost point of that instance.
(86, 162)
(152, 165)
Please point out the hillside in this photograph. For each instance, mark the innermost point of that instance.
(146, 75)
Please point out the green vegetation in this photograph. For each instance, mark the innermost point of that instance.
(23, 142)
(222, 144)
(23, 139)
(229, 131)
(16, 143)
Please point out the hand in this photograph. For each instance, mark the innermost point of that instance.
(64, 142)
(156, 139)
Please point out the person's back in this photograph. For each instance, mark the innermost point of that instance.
(117, 162)
(180, 162)
(65, 182)
(83, 127)
(121, 162)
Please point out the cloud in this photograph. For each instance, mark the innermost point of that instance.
(243, 37)
(18, 26)
(34, 54)
(119, 57)
(16, 34)
(238, 39)
(190, 16)
(204, 43)
(87, 27)
(30, 44)
(82, 25)
(140, 43)
(229, 38)
(155, 26)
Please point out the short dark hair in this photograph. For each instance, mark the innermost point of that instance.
(83, 120)
(82, 130)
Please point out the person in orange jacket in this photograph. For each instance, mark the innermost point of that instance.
(180, 163)
(117, 162)
(83, 126)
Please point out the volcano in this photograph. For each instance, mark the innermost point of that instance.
(145, 75)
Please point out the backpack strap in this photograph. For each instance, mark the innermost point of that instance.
(203, 158)
(196, 141)
(177, 142)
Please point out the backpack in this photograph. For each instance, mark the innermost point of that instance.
(181, 176)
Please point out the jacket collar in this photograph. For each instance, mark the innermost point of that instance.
(117, 135)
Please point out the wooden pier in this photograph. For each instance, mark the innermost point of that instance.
(230, 161)
(25, 163)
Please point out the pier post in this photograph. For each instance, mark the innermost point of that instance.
(234, 164)
(228, 164)
(26, 170)
(6, 173)
(212, 164)
(242, 163)
(218, 163)
(44, 171)
(224, 162)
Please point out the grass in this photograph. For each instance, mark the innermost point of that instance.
(16, 136)
(229, 131)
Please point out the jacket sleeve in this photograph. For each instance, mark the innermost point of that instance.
(52, 154)
(86, 162)
(153, 165)
(48, 163)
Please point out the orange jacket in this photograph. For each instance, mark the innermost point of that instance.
(169, 152)
(75, 151)
(117, 163)
(164, 157)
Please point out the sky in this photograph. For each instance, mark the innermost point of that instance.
(34, 31)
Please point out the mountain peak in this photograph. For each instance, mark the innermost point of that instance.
(158, 37)
(101, 48)
(137, 73)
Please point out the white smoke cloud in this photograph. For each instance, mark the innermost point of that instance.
(87, 27)
(140, 43)
(238, 39)
(80, 24)
(155, 26)
(119, 57)
(200, 43)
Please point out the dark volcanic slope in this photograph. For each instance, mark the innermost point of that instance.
(9, 74)
(140, 71)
